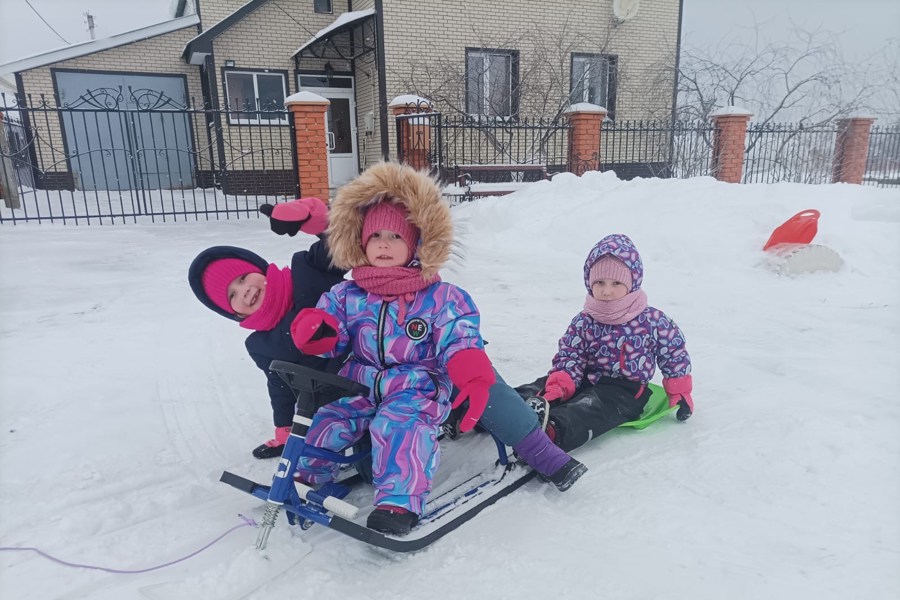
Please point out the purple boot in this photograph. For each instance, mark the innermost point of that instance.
(549, 459)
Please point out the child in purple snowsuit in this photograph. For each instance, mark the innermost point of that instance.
(610, 352)
(411, 336)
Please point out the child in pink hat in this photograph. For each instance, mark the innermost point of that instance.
(264, 299)
(610, 352)
(412, 338)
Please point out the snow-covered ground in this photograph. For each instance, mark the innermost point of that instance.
(122, 400)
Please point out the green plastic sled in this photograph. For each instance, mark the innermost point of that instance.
(657, 407)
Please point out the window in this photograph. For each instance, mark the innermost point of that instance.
(492, 78)
(322, 6)
(255, 98)
(594, 80)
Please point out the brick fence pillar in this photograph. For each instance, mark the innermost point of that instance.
(851, 150)
(585, 121)
(728, 143)
(308, 111)
(413, 134)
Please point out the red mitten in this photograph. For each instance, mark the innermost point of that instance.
(309, 215)
(679, 391)
(559, 386)
(470, 370)
(314, 331)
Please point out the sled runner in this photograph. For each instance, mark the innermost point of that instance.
(452, 502)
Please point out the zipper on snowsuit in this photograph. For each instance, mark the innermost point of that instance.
(381, 354)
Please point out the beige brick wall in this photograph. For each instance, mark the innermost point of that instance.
(425, 44)
(160, 55)
(267, 39)
(420, 36)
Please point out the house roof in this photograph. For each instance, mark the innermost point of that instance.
(85, 48)
(344, 22)
(198, 48)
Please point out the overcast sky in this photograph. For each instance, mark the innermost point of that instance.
(864, 26)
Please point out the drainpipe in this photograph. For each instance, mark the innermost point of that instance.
(382, 80)
(675, 82)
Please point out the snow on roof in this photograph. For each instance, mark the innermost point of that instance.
(344, 19)
(85, 48)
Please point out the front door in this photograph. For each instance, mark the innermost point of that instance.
(340, 123)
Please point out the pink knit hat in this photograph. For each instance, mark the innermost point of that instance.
(391, 216)
(218, 276)
(610, 267)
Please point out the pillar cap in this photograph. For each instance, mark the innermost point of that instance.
(410, 99)
(731, 111)
(585, 107)
(306, 98)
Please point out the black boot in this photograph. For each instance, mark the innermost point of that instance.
(266, 451)
(392, 520)
(567, 475)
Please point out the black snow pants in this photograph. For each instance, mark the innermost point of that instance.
(592, 410)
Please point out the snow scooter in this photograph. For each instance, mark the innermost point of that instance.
(451, 504)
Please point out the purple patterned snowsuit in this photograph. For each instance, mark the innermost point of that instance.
(404, 364)
(630, 351)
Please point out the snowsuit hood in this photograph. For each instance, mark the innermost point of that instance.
(619, 246)
(199, 264)
(402, 184)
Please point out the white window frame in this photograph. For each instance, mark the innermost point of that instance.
(322, 12)
(484, 54)
(232, 110)
(591, 60)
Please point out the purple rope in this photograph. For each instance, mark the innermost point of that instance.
(247, 521)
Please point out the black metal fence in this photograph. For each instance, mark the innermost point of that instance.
(470, 140)
(119, 155)
(789, 152)
(883, 164)
(656, 148)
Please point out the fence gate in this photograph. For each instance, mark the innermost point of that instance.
(112, 154)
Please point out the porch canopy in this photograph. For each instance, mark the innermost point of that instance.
(350, 36)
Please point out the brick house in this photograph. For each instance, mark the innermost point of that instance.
(482, 58)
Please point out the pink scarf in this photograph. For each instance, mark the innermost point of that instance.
(277, 302)
(400, 283)
(616, 312)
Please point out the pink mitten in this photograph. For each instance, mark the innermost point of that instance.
(679, 391)
(470, 370)
(309, 215)
(314, 331)
(559, 386)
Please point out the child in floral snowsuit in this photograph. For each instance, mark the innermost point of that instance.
(610, 351)
(411, 338)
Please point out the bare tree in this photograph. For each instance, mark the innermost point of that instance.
(804, 79)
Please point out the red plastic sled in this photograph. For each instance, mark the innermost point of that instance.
(799, 229)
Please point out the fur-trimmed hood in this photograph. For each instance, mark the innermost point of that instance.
(418, 192)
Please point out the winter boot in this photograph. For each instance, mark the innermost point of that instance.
(549, 460)
(541, 408)
(273, 447)
(392, 520)
(567, 475)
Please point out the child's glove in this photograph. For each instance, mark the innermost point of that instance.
(309, 215)
(314, 331)
(470, 370)
(559, 386)
(679, 391)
